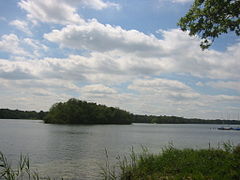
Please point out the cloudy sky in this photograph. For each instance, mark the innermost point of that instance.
(127, 54)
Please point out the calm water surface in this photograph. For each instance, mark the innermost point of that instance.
(75, 152)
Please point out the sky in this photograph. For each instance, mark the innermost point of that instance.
(126, 54)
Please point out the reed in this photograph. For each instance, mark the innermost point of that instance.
(179, 164)
(171, 164)
(22, 171)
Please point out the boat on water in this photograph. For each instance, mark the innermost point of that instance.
(224, 128)
(229, 128)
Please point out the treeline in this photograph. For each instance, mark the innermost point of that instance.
(75, 111)
(17, 114)
(81, 112)
(178, 120)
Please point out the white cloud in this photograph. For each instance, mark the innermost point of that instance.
(21, 49)
(38, 48)
(234, 85)
(42, 84)
(171, 97)
(21, 25)
(95, 4)
(201, 84)
(98, 89)
(54, 77)
(117, 57)
(50, 11)
(172, 89)
(98, 37)
(16, 97)
(60, 11)
(35, 44)
(116, 67)
(175, 52)
(10, 43)
(188, 60)
(160, 83)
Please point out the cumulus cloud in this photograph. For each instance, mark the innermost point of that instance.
(175, 52)
(60, 11)
(111, 65)
(10, 43)
(15, 70)
(159, 84)
(42, 84)
(164, 96)
(234, 85)
(21, 25)
(98, 89)
(172, 89)
(35, 44)
(21, 49)
(188, 60)
(50, 11)
(95, 4)
(61, 77)
(38, 49)
(21, 94)
(99, 37)
(116, 57)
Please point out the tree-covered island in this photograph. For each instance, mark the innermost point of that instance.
(81, 112)
(75, 111)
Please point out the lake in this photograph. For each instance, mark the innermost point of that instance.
(76, 152)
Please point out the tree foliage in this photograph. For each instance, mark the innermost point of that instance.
(211, 18)
(178, 120)
(81, 112)
(17, 114)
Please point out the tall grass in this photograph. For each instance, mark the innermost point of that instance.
(178, 164)
(222, 163)
(22, 171)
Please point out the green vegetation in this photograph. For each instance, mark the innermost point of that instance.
(81, 112)
(176, 164)
(170, 164)
(17, 114)
(211, 18)
(178, 120)
(21, 172)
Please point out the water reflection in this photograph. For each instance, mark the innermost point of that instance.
(75, 152)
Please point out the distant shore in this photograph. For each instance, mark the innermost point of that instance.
(75, 111)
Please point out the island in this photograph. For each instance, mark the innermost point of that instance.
(81, 112)
(76, 111)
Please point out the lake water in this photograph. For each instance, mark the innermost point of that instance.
(76, 152)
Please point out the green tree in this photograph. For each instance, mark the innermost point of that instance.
(211, 18)
(80, 112)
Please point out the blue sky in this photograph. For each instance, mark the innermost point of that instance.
(127, 54)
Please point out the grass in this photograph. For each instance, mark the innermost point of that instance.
(22, 171)
(171, 164)
(176, 164)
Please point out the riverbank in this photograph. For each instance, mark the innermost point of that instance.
(176, 164)
(170, 164)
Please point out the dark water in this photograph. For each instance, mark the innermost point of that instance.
(76, 152)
